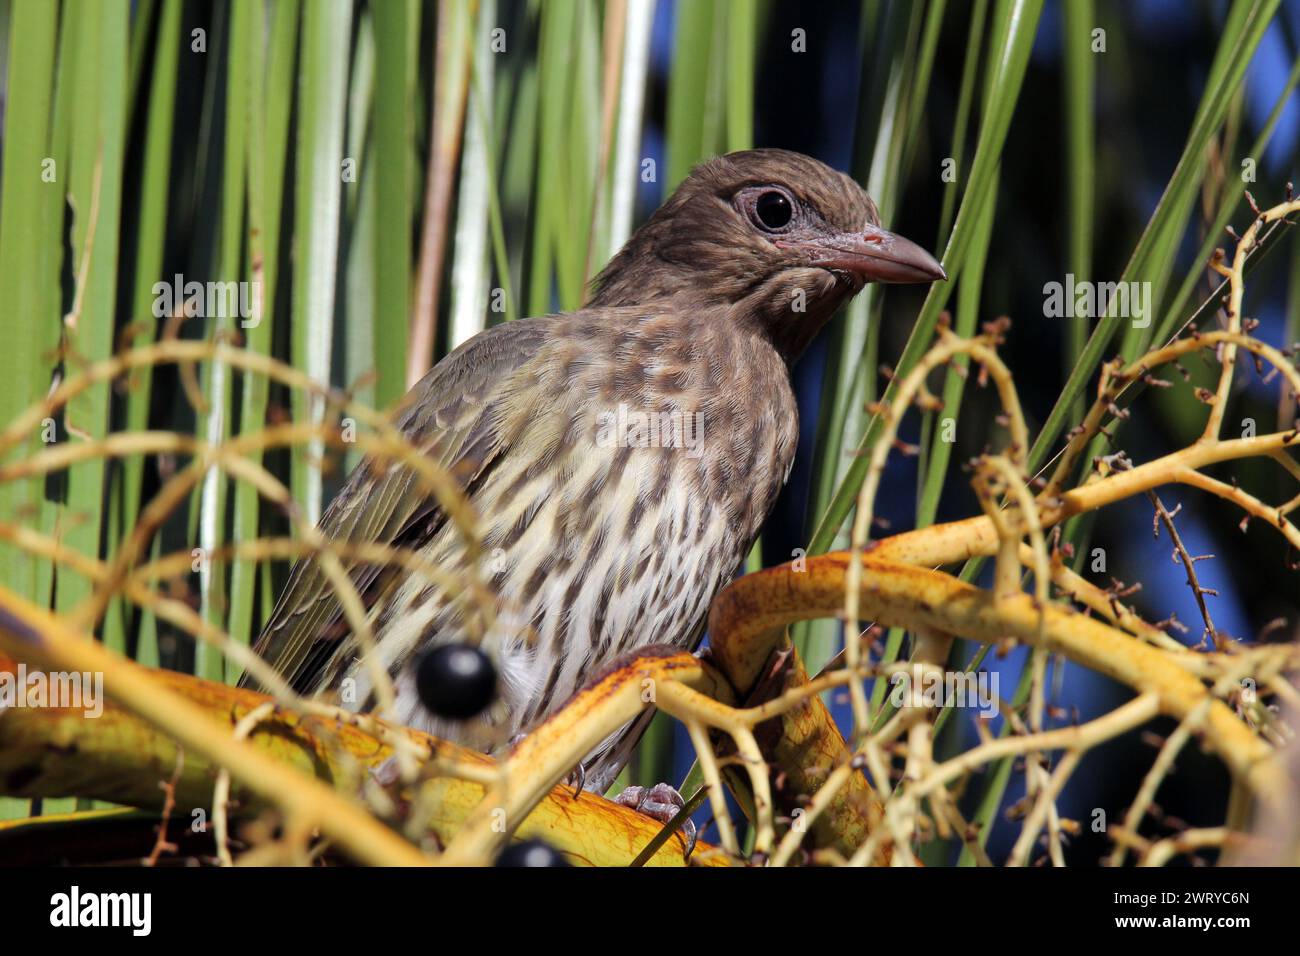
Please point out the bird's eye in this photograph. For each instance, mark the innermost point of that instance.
(773, 210)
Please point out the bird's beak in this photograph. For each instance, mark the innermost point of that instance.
(871, 255)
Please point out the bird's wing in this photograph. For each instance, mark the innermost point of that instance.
(450, 416)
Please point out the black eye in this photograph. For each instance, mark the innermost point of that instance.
(773, 210)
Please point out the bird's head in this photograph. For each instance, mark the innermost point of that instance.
(777, 238)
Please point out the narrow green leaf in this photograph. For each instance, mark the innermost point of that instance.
(150, 238)
(393, 200)
(1078, 21)
(965, 97)
(322, 96)
(689, 121)
(270, 102)
(28, 231)
(213, 600)
(469, 269)
(742, 41)
(94, 180)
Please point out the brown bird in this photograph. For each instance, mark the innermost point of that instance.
(620, 459)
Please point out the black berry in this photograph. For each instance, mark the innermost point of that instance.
(456, 681)
(531, 853)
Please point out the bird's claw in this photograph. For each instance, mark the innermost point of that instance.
(661, 802)
(387, 773)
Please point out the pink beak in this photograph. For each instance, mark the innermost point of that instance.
(872, 255)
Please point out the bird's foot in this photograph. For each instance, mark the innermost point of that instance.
(386, 774)
(661, 802)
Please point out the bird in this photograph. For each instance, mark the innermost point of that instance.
(620, 459)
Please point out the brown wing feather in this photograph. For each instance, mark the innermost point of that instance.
(449, 414)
